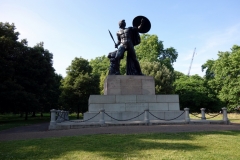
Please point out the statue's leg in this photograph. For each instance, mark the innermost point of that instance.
(132, 54)
(118, 58)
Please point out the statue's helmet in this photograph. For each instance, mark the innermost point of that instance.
(121, 23)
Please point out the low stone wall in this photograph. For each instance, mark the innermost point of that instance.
(133, 103)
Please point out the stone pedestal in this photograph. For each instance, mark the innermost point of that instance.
(129, 85)
(126, 97)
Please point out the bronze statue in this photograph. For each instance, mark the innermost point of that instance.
(114, 66)
(127, 39)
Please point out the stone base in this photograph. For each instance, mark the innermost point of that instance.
(133, 103)
(129, 85)
(129, 116)
(123, 107)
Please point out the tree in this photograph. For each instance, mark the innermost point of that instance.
(99, 65)
(209, 74)
(78, 85)
(178, 75)
(194, 93)
(226, 80)
(151, 49)
(164, 78)
(26, 73)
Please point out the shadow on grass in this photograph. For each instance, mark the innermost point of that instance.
(108, 146)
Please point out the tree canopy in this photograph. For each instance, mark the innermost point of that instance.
(27, 74)
(151, 49)
(224, 76)
(78, 85)
(195, 94)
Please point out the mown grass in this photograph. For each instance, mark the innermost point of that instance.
(221, 145)
(233, 117)
(8, 121)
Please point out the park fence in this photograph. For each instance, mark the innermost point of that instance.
(58, 116)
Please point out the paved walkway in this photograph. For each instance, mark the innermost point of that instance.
(41, 130)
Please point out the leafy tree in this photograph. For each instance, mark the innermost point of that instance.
(194, 93)
(164, 78)
(209, 74)
(101, 84)
(26, 73)
(178, 75)
(78, 85)
(99, 65)
(151, 49)
(226, 80)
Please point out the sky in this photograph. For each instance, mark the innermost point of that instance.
(79, 28)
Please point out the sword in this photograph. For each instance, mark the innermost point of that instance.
(112, 38)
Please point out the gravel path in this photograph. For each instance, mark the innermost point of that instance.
(41, 130)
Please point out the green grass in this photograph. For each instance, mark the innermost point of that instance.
(8, 121)
(233, 117)
(222, 145)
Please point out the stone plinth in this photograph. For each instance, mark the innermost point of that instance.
(127, 106)
(133, 103)
(129, 85)
(126, 97)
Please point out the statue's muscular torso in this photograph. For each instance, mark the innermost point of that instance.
(124, 36)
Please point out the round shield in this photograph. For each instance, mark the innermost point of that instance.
(146, 26)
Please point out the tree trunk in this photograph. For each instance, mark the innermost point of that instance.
(34, 114)
(78, 112)
(21, 114)
(41, 114)
(26, 115)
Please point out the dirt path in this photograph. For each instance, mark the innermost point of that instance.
(41, 130)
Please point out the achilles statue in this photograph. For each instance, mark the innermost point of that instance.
(127, 39)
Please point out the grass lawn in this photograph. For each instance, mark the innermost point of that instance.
(13, 120)
(221, 145)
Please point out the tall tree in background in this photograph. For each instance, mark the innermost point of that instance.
(78, 85)
(225, 77)
(157, 62)
(194, 93)
(99, 65)
(151, 49)
(164, 78)
(26, 73)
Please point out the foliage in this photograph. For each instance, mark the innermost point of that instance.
(101, 84)
(178, 75)
(78, 85)
(197, 146)
(99, 65)
(27, 74)
(209, 74)
(194, 93)
(151, 49)
(224, 76)
(164, 78)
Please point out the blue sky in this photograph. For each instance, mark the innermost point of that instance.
(79, 28)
